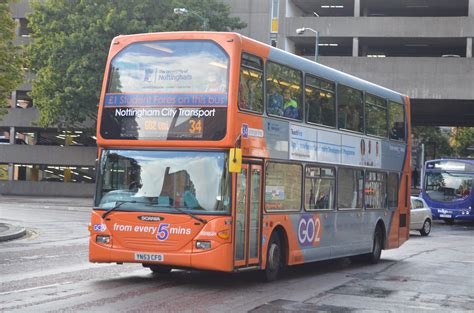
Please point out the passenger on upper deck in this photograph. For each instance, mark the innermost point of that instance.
(275, 100)
(290, 108)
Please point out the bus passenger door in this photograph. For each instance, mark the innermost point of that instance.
(247, 215)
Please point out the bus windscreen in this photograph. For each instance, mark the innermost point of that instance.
(448, 186)
(167, 90)
(164, 181)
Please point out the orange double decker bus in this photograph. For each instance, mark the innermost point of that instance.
(219, 152)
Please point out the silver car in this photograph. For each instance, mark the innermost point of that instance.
(420, 216)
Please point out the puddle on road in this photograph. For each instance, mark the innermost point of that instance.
(281, 305)
(356, 290)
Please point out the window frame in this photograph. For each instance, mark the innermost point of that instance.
(397, 187)
(384, 181)
(320, 176)
(301, 96)
(367, 105)
(404, 139)
(339, 170)
(307, 107)
(262, 79)
(265, 186)
(338, 106)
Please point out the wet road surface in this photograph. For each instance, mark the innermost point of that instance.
(48, 271)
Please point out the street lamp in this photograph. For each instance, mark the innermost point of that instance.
(300, 31)
(184, 11)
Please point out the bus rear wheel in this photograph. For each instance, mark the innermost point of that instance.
(374, 256)
(274, 259)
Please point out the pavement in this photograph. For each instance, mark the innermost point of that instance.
(10, 232)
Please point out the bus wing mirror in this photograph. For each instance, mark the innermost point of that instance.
(235, 160)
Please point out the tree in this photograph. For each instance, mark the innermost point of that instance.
(436, 141)
(462, 141)
(11, 62)
(71, 41)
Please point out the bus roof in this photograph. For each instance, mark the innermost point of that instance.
(467, 161)
(300, 63)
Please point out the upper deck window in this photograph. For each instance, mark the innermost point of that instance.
(251, 84)
(176, 66)
(320, 101)
(350, 109)
(397, 121)
(375, 116)
(284, 92)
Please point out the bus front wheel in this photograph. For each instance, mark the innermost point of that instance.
(274, 258)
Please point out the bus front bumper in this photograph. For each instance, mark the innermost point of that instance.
(216, 259)
(456, 214)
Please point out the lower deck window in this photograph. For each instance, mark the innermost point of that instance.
(350, 183)
(392, 190)
(319, 188)
(283, 187)
(375, 190)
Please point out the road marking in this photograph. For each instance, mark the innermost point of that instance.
(33, 288)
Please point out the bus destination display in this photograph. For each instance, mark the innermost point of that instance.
(148, 120)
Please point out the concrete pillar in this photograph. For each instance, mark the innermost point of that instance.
(471, 8)
(18, 26)
(35, 173)
(365, 11)
(355, 46)
(469, 47)
(67, 175)
(14, 99)
(356, 8)
(12, 141)
(10, 171)
(12, 135)
(289, 46)
(291, 10)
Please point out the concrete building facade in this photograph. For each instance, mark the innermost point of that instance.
(422, 48)
(35, 160)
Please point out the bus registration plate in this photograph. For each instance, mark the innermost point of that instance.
(153, 257)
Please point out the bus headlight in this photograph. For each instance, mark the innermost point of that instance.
(203, 244)
(102, 239)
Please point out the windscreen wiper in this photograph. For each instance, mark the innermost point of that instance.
(118, 204)
(197, 218)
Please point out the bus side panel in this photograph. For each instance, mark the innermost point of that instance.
(316, 236)
(400, 227)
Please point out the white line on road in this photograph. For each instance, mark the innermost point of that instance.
(33, 288)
